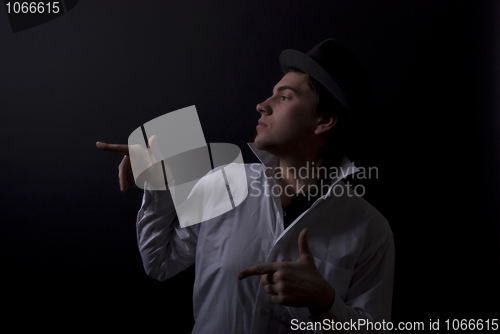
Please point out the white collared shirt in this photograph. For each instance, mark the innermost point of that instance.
(351, 241)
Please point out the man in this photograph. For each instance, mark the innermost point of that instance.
(293, 259)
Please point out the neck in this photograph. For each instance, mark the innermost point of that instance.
(296, 174)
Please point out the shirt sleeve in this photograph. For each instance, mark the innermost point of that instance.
(166, 249)
(368, 302)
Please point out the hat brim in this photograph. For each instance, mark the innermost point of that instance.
(301, 61)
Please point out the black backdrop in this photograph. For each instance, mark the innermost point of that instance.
(67, 233)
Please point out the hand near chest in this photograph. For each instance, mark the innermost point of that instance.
(296, 284)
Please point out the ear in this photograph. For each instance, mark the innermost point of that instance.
(325, 123)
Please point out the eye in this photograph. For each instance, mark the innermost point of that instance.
(283, 97)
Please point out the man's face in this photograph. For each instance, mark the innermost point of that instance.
(288, 117)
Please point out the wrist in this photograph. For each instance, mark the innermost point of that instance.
(324, 305)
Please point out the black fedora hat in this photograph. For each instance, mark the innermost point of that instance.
(337, 69)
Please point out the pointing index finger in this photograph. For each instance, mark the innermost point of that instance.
(114, 148)
(260, 269)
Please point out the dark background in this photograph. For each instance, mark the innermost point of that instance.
(68, 244)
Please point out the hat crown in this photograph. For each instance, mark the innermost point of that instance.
(336, 68)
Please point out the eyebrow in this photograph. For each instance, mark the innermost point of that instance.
(282, 88)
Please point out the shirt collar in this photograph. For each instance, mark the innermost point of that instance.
(346, 167)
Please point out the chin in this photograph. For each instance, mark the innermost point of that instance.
(264, 145)
(259, 143)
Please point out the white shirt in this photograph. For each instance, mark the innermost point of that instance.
(351, 241)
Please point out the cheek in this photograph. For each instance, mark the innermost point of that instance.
(297, 122)
(289, 129)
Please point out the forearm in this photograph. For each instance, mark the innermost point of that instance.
(165, 248)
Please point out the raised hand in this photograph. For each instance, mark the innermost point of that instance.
(143, 160)
(297, 284)
(125, 177)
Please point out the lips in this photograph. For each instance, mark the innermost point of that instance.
(262, 123)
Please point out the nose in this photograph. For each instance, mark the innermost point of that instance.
(264, 108)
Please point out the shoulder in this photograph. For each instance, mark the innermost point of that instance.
(359, 214)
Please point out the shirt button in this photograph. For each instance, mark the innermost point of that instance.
(264, 310)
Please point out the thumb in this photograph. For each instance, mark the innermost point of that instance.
(157, 156)
(155, 150)
(305, 254)
(152, 141)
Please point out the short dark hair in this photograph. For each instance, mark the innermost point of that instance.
(328, 105)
